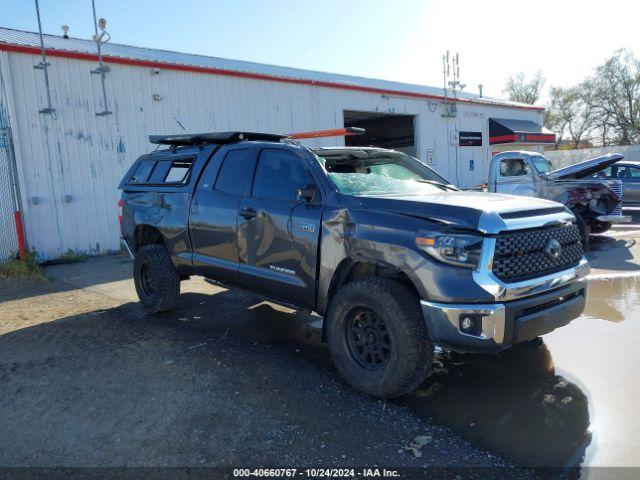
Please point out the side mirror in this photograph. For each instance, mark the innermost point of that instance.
(306, 193)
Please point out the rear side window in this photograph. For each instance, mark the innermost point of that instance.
(143, 172)
(279, 175)
(179, 171)
(231, 177)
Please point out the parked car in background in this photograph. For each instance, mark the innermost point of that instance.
(628, 173)
(596, 202)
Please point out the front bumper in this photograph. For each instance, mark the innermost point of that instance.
(614, 218)
(501, 325)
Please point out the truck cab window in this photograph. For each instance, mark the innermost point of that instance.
(541, 164)
(279, 175)
(513, 167)
(232, 173)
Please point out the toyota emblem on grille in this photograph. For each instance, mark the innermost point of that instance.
(553, 249)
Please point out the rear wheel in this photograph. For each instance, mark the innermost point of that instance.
(156, 279)
(378, 337)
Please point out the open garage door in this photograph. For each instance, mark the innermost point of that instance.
(382, 130)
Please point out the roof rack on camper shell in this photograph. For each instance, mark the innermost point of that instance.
(191, 139)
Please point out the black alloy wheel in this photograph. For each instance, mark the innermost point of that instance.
(368, 339)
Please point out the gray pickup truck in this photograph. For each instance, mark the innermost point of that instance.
(394, 258)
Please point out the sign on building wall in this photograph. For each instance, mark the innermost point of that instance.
(431, 157)
(470, 139)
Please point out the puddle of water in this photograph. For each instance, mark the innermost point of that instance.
(514, 403)
(601, 352)
(570, 400)
(613, 299)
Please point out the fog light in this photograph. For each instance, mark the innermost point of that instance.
(467, 323)
(470, 324)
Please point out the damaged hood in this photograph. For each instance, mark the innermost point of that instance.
(457, 209)
(586, 168)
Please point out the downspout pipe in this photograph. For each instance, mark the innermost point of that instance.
(44, 65)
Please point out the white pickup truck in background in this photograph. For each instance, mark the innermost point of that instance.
(597, 204)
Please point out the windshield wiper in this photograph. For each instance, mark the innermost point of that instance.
(436, 183)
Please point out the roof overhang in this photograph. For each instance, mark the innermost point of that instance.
(507, 130)
(16, 41)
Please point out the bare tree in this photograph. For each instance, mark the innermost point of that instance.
(519, 89)
(554, 120)
(616, 95)
(572, 112)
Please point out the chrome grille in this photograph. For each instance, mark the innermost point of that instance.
(616, 187)
(521, 255)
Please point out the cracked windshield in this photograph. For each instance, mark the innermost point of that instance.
(386, 173)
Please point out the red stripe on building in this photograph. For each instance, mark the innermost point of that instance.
(512, 137)
(528, 137)
(233, 73)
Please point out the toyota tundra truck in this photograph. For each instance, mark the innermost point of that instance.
(396, 260)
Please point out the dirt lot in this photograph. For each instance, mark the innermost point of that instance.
(227, 380)
(89, 380)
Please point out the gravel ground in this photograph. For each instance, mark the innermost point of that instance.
(224, 380)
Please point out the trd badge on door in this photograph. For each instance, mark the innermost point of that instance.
(308, 227)
(275, 268)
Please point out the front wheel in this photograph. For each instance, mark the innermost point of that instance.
(600, 227)
(585, 230)
(378, 337)
(156, 279)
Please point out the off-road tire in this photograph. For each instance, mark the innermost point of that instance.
(154, 263)
(411, 351)
(600, 227)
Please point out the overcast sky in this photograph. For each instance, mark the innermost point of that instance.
(401, 40)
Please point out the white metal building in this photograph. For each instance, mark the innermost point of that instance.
(68, 162)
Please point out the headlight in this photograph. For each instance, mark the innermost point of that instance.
(454, 249)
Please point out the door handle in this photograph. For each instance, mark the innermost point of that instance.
(247, 213)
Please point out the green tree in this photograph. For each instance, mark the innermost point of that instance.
(572, 112)
(615, 88)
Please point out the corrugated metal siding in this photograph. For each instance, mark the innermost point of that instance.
(8, 236)
(53, 42)
(8, 239)
(70, 164)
